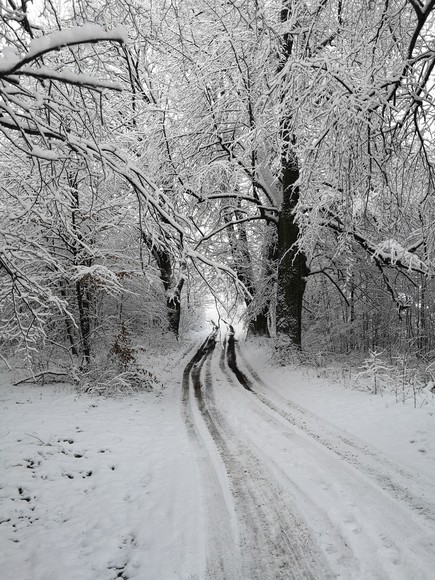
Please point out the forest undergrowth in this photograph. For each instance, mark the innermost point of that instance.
(130, 365)
(402, 374)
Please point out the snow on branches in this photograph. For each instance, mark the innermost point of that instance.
(12, 63)
(392, 252)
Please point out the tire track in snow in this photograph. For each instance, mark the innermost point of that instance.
(273, 543)
(364, 532)
(391, 477)
(218, 533)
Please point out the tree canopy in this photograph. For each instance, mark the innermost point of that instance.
(277, 154)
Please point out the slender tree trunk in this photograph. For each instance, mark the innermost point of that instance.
(83, 303)
(421, 321)
(260, 325)
(352, 316)
(241, 256)
(242, 264)
(68, 324)
(173, 303)
(83, 295)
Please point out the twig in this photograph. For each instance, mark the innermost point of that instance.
(30, 435)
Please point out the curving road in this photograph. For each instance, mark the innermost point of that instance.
(285, 495)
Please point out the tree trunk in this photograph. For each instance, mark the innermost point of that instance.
(352, 317)
(68, 323)
(173, 303)
(422, 342)
(292, 263)
(83, 301)
(261, 324)
(83, 295)
(171, 286)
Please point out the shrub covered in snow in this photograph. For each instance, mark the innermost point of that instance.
(110, 382)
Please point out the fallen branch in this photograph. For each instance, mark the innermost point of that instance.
(42, 375)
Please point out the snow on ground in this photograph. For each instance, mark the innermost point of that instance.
(366, 513)
(99, 489)
(94, 488)
(397, 429)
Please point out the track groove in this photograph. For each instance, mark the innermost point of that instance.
(273, 543)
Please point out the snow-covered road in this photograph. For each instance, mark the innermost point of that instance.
(234, 471)
(293, 497)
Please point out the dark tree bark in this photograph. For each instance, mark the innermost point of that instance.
(259, 325)
(292, 263)
(83, 295)
(171, 285)
(173, 303)
(83, 301)
(68, 324)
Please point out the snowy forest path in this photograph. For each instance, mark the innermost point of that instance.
(286, 495)
(260, 535)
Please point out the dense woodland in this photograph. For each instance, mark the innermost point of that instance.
(275, 154)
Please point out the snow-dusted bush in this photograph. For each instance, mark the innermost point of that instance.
(404, 377)
(285, 351)
(110, 382)
(118, 374)
(376, 371)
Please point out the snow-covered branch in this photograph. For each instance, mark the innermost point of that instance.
(69, 78)
(388, 252)
(12, 63)
(231, 224)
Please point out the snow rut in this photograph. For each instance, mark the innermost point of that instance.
(219, 533)
(268, 539)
